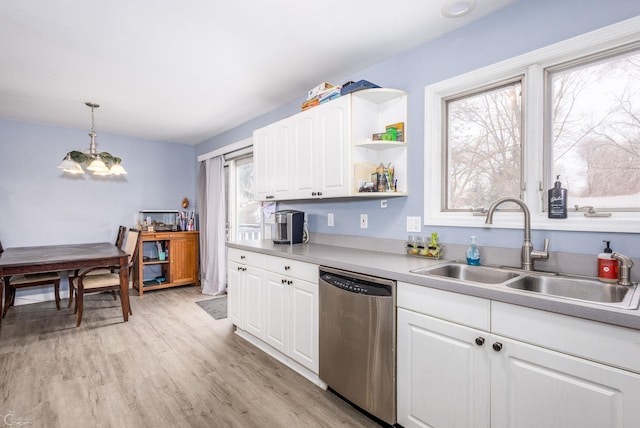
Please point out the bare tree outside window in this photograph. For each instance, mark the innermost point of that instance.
(483, 147)
(594, 110)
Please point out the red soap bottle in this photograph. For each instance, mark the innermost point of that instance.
(607, 265)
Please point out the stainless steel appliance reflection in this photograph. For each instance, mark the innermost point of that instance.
(358, 340)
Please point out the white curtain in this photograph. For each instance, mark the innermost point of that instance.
(212, 212)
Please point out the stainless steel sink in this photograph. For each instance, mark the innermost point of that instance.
(589, 290)
(481, 274)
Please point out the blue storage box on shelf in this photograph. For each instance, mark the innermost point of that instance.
(357, 86)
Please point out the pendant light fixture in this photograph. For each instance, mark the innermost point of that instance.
(102, 163)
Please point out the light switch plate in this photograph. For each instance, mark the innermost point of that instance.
(413, 224)
(330, 219)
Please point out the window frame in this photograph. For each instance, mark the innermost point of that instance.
(532, 66)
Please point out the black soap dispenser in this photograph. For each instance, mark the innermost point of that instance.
(557, 200)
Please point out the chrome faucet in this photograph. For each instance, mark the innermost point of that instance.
(625, 268)
(529, 255)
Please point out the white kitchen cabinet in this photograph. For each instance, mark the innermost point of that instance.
(292, 310)
(272, 151)
(322, 150)
(330, 148)
(534, 387)
(246, 291)
(443, 375)
(276, 301)
(452, 375)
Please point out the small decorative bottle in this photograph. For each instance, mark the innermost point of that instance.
(473, 254)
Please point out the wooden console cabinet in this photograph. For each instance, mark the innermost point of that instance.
(180, 264)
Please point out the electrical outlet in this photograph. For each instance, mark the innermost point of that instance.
(413, 224)
(364, 221)
(383, 203)
(330, 219)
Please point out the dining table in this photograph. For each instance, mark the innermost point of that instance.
(67, 257)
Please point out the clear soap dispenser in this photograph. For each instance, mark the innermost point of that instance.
(473, 253)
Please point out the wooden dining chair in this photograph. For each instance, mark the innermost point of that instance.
(14, 282)
(88, 282)
(122, 232)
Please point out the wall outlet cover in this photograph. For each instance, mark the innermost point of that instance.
(330, 219)
(413, 224)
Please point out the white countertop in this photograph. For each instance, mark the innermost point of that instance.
(399, 266)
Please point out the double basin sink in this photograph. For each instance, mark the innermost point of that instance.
(584, 289)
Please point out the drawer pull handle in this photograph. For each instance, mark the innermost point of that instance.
(479, 341)
(497, 346)
(287, 267)
(289, 282)
(283, 281)
(242, 257)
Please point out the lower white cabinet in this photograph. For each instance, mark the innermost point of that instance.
(443, 375)
(276, 300)
(451, 376)
(245, 301)
(292, 318)
(533, 387)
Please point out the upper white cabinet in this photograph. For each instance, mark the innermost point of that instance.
(322, 151)
(272, 149)
(328, 151)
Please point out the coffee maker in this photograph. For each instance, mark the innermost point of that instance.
(288, 227)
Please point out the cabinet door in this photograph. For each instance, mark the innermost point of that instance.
(183, 256)
(333, 150)
(535, 387)
(234, 293)
(305, 169)
(254, 301)
(443, 375)
(304, 323)
(262, 158)
(277, 312)
(272, 155)
(282, 171)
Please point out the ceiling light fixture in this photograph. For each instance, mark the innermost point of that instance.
(102, 163)
(458, 8)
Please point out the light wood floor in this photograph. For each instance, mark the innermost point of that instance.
(171, 365)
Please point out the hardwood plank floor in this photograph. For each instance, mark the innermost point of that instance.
(171, 365)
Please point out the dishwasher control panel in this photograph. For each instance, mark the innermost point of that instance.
(354, 285)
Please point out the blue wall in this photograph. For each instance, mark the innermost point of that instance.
(39, 205)
(523, 27)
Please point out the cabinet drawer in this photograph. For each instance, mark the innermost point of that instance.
(293, 268)
(246, 257)
(466, 310)
(605, 343)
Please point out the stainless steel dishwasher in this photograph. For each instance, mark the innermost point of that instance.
(358, 340)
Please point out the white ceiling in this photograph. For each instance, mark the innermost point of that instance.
(185, 71)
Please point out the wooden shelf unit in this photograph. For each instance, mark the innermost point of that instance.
(180, 267)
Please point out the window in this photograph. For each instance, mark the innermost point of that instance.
(594, 129)
(483, 146)
(244, 214)
(572, 109)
